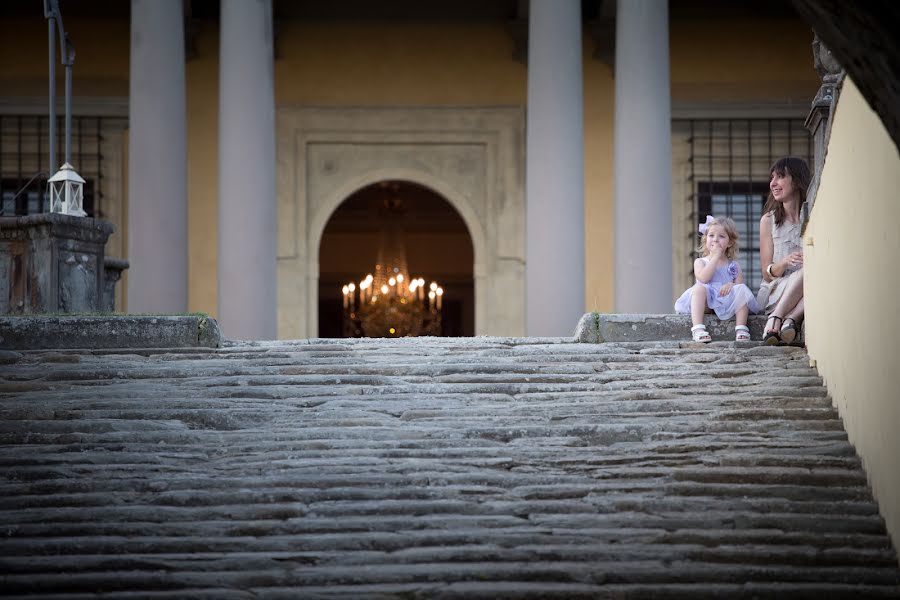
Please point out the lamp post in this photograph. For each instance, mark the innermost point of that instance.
(51, 9)
(66, 186)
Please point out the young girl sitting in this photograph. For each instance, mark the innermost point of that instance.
(720, 284)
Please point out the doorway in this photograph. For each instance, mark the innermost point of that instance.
(437, 243)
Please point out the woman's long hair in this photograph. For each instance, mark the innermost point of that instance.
(800, 178)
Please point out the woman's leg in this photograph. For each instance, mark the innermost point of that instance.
(791, 326)
(791, 297)
(698, 303)
(797, 313)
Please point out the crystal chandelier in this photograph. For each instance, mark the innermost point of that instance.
(390, 303)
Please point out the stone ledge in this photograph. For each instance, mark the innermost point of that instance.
(594, 328)
(56, 332)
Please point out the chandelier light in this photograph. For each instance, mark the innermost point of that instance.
(391, 303)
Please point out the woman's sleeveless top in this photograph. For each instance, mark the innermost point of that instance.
(786, 238)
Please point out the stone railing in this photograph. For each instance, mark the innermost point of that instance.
(818, 122)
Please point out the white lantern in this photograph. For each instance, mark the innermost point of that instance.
(67, 192)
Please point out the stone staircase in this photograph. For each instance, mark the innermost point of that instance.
(432, 468)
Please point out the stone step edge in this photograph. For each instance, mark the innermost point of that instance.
(596, 328)
(65, 332)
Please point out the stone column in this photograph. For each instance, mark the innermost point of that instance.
(554, 180)
(157, 160)
(643, 159)
(247, 206)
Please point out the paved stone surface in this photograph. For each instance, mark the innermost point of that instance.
(432, 468)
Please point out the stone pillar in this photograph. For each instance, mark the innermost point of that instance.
(643, 159)
(247, 206)
(157, 160)
(554, 180)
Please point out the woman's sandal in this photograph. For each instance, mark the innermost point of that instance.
(699, 333)
(772, 337)
(788, 332)
(741, 333)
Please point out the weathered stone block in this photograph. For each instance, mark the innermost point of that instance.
(107, 332)
(52, 263)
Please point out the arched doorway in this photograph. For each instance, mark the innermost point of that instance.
(438, 248)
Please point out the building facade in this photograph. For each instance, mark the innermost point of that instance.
(222, 138)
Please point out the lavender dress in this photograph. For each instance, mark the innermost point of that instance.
(724, 306)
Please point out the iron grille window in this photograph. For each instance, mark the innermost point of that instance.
(728, 172)
(24, 161)
(35, 197)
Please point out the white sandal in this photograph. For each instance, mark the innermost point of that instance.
(699, 333)
(741, 333)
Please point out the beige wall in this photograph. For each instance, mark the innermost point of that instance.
(852, 324)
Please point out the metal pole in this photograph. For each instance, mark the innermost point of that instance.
(68, 59)
(69, 102)
(51, 21)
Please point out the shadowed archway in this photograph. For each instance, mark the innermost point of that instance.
(439, 248)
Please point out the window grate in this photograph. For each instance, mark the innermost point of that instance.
(729, 161)
(24, 161)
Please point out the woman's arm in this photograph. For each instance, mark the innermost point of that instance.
(767, 252)
(766, 246)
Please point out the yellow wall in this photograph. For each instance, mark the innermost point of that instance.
(852, 323)
(202, 82)
(742, 61)
(599, 102)
(101, 59)
(396, 64)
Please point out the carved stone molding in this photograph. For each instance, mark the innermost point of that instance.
(472, 157)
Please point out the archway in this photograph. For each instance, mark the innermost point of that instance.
(439, 248)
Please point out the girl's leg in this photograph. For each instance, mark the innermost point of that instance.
(740, 316)
(698, 308)
(698, 303)
(741, 331)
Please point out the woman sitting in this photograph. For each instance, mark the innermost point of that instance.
(781, 251)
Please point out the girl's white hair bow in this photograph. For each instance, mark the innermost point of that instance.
(704, 226)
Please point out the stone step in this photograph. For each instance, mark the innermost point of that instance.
(481, 467)
(599, 327)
